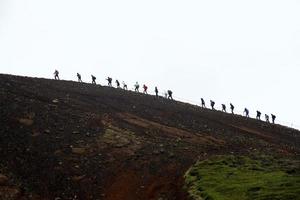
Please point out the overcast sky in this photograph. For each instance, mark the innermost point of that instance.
(244, 52)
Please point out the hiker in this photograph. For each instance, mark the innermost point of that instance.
(93, 79)
(246, 111)
(118, 84)
(170, 94)
(156, 91)
(109, 81)
(56, 77)
(79, 78)
(124, 85)
(231, 108)
(212, 104)
(273, 118)
(223, 108)
(267, 118)
(258, 114)
(136, 87)
(203, 103)
(145, 89)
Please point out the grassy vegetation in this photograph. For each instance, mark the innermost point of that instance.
(244, 178)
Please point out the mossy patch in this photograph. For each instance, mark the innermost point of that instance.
(119, 138)
(244, 178)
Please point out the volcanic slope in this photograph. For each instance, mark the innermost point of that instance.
(69, 140)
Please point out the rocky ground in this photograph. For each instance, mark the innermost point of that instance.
(68, 140)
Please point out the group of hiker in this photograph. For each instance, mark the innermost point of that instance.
(169, 94)
(258, 115)
(246, 111)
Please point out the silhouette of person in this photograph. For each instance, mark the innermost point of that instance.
(79, 78)
(246, 111)
(267, 118)
(212, 104)
(109, 81)
(223, 108)
(56, 73)
(124, 85)
(93, 79)
(203, 103)
(136, 87)
(258, 114)
(118, 84)
(145, 89)
(273, 118)
(231, 108)
(156, 91)
(170, 93)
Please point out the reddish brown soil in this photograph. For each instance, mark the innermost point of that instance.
(68, 140)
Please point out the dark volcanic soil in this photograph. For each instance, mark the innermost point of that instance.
(68, 140)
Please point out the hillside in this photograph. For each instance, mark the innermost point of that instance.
(69, 140)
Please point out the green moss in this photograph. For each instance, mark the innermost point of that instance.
(118, 138)
(244, 178)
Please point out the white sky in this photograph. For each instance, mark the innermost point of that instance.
(247, 52)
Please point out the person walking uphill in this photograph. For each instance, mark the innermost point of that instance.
(109, 81)
(156, 91)
(231, 108)
(203, 103)
(170, 93)
(118, 84)
(145, 89)
(273, 118)
(124, 85)
(212, 104)
(246, 111)
(56, 73)
(136, 87)
(267, 118)
(258, 114)
(223, 108)
(79, 78)
(93, 79)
